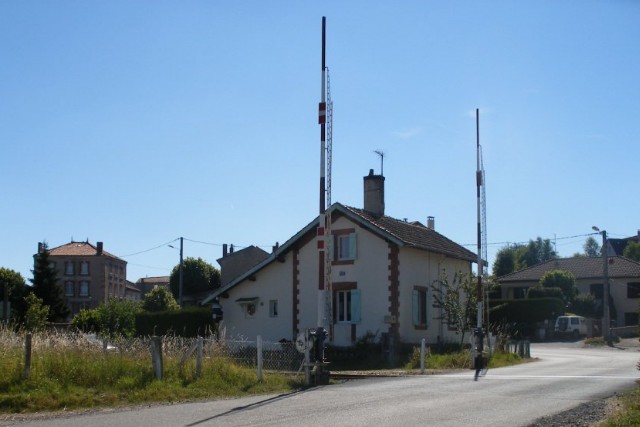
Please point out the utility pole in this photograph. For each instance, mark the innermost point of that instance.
(606, 318)
(479, 333)
(180, 274)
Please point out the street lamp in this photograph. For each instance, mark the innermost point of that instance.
(179, 274)
(606, 322)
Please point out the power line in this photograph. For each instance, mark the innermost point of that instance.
(148, 250)
(524, 243)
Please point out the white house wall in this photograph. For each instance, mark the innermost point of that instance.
(421, 268)
(272, 283)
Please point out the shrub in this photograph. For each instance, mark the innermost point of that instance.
(188, 322)
(160, 299)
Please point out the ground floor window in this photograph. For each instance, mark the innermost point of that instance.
(347, 306)
(419, 306)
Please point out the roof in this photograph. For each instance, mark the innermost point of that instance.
(79, 249)
(580, 267)
(157, 279)
(403, 233)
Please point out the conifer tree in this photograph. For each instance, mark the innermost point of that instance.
(46, 287)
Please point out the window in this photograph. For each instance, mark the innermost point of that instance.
(633, 290)
(84, 288)
(69, 288)
(84, 268)
(347, 306)
(273, 308)
(249, 309)
(597, 290)
(419, 306)
(68, 268)
(520, 292)
(346, 247)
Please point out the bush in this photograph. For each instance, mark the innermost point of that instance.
(188, 322)
(159, 299)
(115, 318)
(540, 292)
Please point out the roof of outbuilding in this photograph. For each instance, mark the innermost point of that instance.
(580, 267)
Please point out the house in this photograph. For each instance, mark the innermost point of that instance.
(234, 263)
(146, 284)
(89, 275)
(624, 282)
(132, 292)
(382, 270)
(618, 245)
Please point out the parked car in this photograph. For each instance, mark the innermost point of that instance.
(574, 326)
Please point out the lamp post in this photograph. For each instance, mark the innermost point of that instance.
(179, 273)
(606, 321)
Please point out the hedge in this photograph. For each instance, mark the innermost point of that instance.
(188, 322)
(528, 310)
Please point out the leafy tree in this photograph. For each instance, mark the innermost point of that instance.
(564, 280)
(198, 276)
(159, 299)
(584, 305)
(37, 314)
(591, 247)
(512, 258)
(632, 251)
(457, 298)
(115, 318)
(16, 289)
(46, 286)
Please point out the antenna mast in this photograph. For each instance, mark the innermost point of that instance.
(479, 333)
(381, 154)
(322, 235)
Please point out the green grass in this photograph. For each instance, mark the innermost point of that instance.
(629, 413)
(461, 360)
(67, 374)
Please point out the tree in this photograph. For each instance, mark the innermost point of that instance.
(585, 305)
(14, 288)
(564, 280)
(46, 287)
(115, 318)
(457, 298)
(512, 258)
(632, 251)
(37, 314)
(591, 247)
(198, 276)
(159, 299)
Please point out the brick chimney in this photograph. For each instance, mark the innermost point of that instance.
(374, 194)
(99, 248)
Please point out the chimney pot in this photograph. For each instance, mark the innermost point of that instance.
(231, 249)
(224, 250)
(431, 223)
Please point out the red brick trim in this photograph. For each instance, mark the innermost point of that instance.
(394, 289)
(295, 264)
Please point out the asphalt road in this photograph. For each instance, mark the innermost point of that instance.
(565, 376)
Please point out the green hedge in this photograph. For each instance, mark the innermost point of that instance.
(188, 322)
(540, 292)
(527, 311)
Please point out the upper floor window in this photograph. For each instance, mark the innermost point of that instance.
(419, 306)
(84, 288)
(69, 269)
(633, 290)
(84, 268)
(69, 288)
(344, 245)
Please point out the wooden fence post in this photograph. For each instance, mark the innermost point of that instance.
(27, 356)
(199, 357)
(156, 356)
(259, 350)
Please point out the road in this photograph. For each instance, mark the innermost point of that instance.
(565, 376)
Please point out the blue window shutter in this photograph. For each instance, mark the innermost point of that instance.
(352, 246)
(415, 307)
(355, 306)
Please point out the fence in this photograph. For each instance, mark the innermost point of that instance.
(162, 353)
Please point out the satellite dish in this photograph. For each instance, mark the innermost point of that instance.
(302, 344)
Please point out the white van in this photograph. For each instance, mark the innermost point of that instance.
(571, 325)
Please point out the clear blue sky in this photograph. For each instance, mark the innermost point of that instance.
(137, 122)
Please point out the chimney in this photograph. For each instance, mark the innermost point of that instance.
(431, 223)
(39, 247)
(231, 249)
(224, 250)
(99, 251)
(374, 194)
(275, 247)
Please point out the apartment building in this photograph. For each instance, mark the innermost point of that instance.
(89, 275)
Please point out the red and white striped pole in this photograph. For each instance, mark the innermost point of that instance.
(322, 119)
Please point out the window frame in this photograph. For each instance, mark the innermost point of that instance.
(420, 307)
(273, 308)
(69, 268)
(344, 246)
(69, 284)
(633, 290)
(84, 271)
(82, 284)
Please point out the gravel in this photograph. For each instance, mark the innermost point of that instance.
(585, 415)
